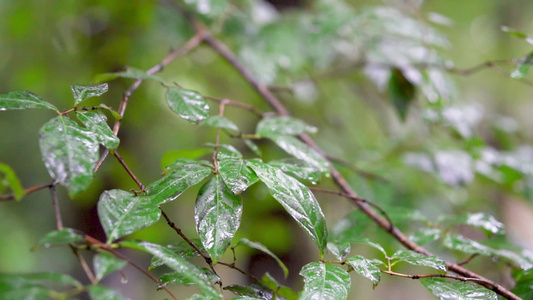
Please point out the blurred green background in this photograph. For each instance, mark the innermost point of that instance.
(46, 46)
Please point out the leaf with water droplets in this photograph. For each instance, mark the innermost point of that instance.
(60, 237)
(96, 122)
(263, 248)
(218, 216)
(365, 267)
(23, 100)
(298, 169)
(235, 173)
(105, 264)
(339, 249)
(250, 292)
(283, 125)
(182, 249)
(180, 175)
(221, 122)
(455, 290)
(419, 259)
(10, 180)
(177, 277)
(122, 213)
(297, 200)
(482, 221)
(69, 153)
(98, 292)
(189, 105)
(325, 281)
(82, 92)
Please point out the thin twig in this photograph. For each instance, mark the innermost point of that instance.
(78, 108)
(130, 172)
(238, 104)
(188, 46)
(117, 254)
(55, 205)
(27, 191)
(225, 52)
(486, 283)
(467, 260)
(232, 266)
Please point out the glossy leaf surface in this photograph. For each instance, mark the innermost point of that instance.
(296, 148)
(96, 122)
(263, 248)
(280, 290)
(454, 290)
(189, 105)
(235, 173)
(12, 181)
(283, 125)
(69, 153)
(298, 169)
(325, 282)
(122, 213)
(365, 267)
(218, 216)
(420, 259)
(221, 122)
(524, 284)
(60, 237)
(178, 278)
(105, 264)
(248, 292)
(182, 249)
(339, 248)
(82, 92)
(297, 200)
(98, 292)
(23, 100)
(181, 174)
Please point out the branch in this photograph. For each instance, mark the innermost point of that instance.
(225, 52)
(483, 282)
(130, 172)
(238, 104)
(27, 191)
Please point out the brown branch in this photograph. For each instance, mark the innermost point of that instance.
(78, 108)
(117, 254)
(228, 55)
(467, 260)
(130, 172)
(362, 173)
(188, 46)
(483, 282)
(238, 104)
(27, 191)
(55, 205)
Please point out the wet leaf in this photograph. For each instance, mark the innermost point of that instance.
(280, 290)
(253, 291)
(60, 237)
(12, 181)
(21, 286)
(218, 216)
(482, 221)
(178, 278)
(298, 169)
(263, 248)
(82, 92)
(113, 112)
(98, 292)
(297, 200)
(283, 126)
(96, 122)
(183, 249)
(105, 264)
(23, 100)
(425, 235)
(221, 122)
(524, 284)
(182, 174)
(455, 290)
(171, 156)
(69, 153)
(189, 271)
(339, 249)
(122, 213)
(365, 267)
(402, 92)
(522, 68)
(129, 73)
(189, 105)
(418, 259)
(325, 281)
(235, 173)
(301, 151)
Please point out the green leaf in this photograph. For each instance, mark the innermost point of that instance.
(249, 292)
(283, 126)
(189, 271)
(69, 153)
(325, 281)
(105, 264)
(113, 112)
(218, 216)
(339, 248)
(298, 169)
(279, 290)
(23, 286)
(297, 200)
(402, 92)
(448, 290)
(425, 235)
(179, 278)
(60, 237)
(82, 92)
(182, 174)
(263, 248)
(122, 213)
(301, 151)
(235, 173)
(98, 292)
(365, 267)
(221, 122)
(129, 73)
(482, 221)
(96, 122)
(418, 259)
(12, 181)
(524, 284)
(518, 34)
(182, 249)
(171, 156)
(189, 105)
(23, 100)
(522, 68)
(371, 244)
